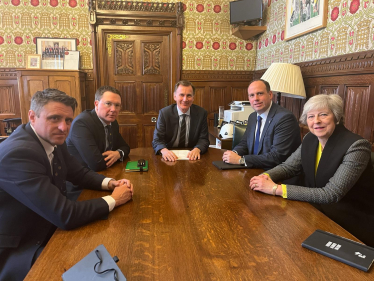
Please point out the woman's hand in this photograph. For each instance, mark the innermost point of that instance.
(262, 183)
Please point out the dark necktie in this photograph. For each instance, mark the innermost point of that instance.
(257, 140)
(182, 134)
(58, 179)
(109, 135)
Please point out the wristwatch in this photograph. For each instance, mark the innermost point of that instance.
(242, 161)
(120, 154)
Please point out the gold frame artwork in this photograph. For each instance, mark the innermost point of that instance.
(33, 61)
(302, 18)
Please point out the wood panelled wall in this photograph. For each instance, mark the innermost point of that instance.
(350, 76)
(216, 88)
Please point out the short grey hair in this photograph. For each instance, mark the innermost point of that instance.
(184, 83)
(100, 92)
(41, 98)
(333, 102)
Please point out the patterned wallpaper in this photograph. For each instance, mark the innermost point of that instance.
(207, 40)
(349, 29)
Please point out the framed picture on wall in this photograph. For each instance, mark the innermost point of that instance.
(33, 61)
(55, 46)
(304, 16)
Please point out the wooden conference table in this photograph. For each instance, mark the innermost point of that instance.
(191, 221)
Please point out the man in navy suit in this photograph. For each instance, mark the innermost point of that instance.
(92, 131)
(183, 117)
(272, 132)
(34, 168)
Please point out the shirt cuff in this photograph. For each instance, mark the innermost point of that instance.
(284, 191)
(111, 202)
(104, 184)
(121, 157)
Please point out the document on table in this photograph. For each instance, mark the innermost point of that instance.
(181, 154)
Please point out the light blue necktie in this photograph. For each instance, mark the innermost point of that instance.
(257, 140)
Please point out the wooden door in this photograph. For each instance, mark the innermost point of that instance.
(139, 67)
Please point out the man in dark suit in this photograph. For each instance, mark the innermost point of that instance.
(181, 125)
(272, 132)
(94, 138)
(34, 168)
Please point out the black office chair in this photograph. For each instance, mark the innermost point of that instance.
(238, 133)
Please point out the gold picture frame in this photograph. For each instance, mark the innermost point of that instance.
(33, 61)
(304, 16)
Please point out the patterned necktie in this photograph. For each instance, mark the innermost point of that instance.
(257, 140)
(182, 134)
(109, 135)
(58, 180)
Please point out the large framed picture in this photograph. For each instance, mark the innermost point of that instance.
(304, 16)
(55, 46)
(33, 61)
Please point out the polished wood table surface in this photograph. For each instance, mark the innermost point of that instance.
(190, 221)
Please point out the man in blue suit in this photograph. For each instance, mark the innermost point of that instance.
(272, 132)
(34, 167)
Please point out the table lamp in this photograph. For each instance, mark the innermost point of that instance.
(286, 79)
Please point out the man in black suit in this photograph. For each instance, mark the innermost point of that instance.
(34, 168)
(94, 138)
(181, 125)
(272, 132)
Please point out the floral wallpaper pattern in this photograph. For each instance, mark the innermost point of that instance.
(349, 29)
(207, 40)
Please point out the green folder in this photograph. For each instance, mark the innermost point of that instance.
(132, 166)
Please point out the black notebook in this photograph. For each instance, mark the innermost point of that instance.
(341, 249)
(84, 269)
(225, 166)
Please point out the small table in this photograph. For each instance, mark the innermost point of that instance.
(214, 134)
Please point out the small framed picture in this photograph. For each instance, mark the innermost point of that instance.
(33, 61)
(55, 46)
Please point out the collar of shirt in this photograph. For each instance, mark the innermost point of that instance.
(180, 112)
(49, 148)
(102, 122)
(264, 115)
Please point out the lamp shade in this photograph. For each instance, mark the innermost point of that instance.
(285, 78)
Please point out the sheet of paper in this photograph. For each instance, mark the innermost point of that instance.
(181, 154)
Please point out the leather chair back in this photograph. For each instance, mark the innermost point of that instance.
(238, 133)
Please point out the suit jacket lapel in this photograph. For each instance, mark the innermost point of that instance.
(174, 121)
(44, 155)
(193, 125)
(100, 130)
(251, 127)
(269, 119)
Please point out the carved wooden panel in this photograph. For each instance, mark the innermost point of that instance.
(129, 133)
(128, 96)
(124, 58)
(148, 134)
(357, 109)
(153, 97)
(152, 58)
(329, 90)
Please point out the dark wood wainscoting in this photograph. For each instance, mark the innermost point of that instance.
(9, 97)
(217, 88)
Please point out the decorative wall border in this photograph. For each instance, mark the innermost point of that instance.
(134, 13)
(356, 63)
(217, 75)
